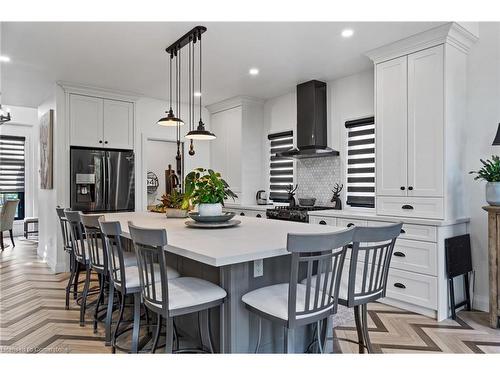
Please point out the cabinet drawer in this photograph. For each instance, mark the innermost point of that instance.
(412, 231)
(414, 288)
(427, 208)
(416, 256)
(345, 222)
(322, 220)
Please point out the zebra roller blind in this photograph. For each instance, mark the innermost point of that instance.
(11, 164)
(361, 162)
(280, 169)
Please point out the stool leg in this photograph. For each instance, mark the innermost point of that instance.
(77, 278)
(12, 238)
(170, 336)
(120, 317)
(365, 328)
(26, 230)
(289, 340)
(259, 330)
(1, 241)
(137, 323)
(99, 299)
(157, 334)
(84, 297)
(70, 282)
(109, 313)
(357, 318)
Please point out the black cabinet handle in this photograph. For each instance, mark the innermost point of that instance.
(399, 254)
(407, 207)
(402, 187)
(400, 286)
(322, 222)
(100, 141)
(350, 225)
(259, 215)
(403, 231)
(242, 214)
(410, 187)
(105, 142)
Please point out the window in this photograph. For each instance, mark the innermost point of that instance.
(12, 171)
(361, 162)
(280, 169)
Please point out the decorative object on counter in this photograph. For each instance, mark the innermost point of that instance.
(490, 172)
(208, 225)
(207, 189)
(261, 197)
(152, 182)
(337, 202)
(496, 141)
(290, 190)
(175, 204)
(307, 202)
(171, 180)
(226, 216)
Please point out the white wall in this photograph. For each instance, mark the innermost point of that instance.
(24, 123)
(483, 116)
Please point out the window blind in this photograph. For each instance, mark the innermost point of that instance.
(361, 162)
(11, 164)
(280, 169)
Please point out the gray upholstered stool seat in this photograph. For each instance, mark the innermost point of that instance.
(273, 300)
(184, 292)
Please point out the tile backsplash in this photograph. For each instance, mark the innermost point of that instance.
(316, 178)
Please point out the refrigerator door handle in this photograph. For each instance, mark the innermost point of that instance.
(104, 184)
(108, 189)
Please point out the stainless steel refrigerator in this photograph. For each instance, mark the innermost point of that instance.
(102, 180)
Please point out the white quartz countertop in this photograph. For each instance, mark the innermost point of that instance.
(374, 217)
(255, 207)
(253, 239)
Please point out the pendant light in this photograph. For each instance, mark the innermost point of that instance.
(171, 119)
(201, 133)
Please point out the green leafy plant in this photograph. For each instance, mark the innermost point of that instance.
(173, 200)
(490, 171)
(206, 186)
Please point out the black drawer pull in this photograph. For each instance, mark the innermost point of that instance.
(322, 222)
(399, 254)
(100, 141)
(403, 231)
(399, 285)
(407, 207)
(350, 225)
(242, 214)
(105, 142)
(402, 187)
(410, 187)
(259, 215)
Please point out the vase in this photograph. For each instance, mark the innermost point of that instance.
(176, 212)
(210, 209)
(493, 193)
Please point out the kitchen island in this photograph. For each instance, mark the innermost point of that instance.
(226, 257)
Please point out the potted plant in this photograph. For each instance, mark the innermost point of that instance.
(490, 172)
(208, 190)
(175, 204)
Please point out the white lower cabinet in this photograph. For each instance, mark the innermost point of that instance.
(417, 289)
(250, 213)
(415, 256)
(322, 220)
(425, 208)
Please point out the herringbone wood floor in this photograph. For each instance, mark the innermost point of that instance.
(33, 318)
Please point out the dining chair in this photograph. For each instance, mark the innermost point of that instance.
(167, 297)
(7, 216)
(295, 304)
(124, 279)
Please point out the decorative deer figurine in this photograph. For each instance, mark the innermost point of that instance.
(337, 203)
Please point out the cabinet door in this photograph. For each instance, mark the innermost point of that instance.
(85, 121)
(118, 124)
(391, 127)
(426, 123)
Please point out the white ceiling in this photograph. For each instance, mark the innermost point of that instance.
(130, 56)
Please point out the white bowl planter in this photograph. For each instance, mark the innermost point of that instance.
(493, 193)
(210, 209)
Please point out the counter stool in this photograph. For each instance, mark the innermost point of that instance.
(163, 295)
(124, 279)
(65, 230)
(295, 304)
(30, 221)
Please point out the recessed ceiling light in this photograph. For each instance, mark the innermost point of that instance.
(197, 94)
(253, 71)
(347, 33)
(4, 58)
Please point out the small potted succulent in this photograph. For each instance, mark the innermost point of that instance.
(207, 189)
(175, 204)
(490, 172)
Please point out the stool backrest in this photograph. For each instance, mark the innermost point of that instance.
(370, 260)
(111, 231)
(321, 256)
(149, 247)
(65, 230)
(95, 242)
(76, 236)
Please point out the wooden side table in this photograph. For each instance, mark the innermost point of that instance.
(493, 260)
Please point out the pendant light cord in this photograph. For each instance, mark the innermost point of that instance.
(170, 80)
(200, 74)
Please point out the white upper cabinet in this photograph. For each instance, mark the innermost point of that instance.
(85, 121)
(98, 122)
(426, 123)
(118, 124)
(391, 127)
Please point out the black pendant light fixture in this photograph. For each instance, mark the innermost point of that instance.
(200, 133)
(170, 119)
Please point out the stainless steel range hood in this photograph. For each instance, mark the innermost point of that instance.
(311, 123)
